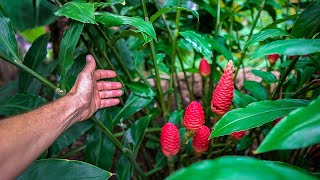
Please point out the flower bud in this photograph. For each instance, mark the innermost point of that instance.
(204, 68)
(272, 58)
(170, 140)
(201, 140)
(238, 135)
(194, 116)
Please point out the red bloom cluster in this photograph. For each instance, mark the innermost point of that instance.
(194, 116)
(238, 135)
(204, 68)
(201, 139)
(272, 58)
(170, 140)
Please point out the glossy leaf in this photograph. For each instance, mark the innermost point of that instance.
(21, 103)
(256, 89)
(166, 9)
(124, 169)
(141, 89)
(265, 34)
(267, 77)
(33, 59)
(83, 12)
(289, 47)
(298, 130)
(8, 44)
(308, 23)
(198, 42)
(52, 169)
(242, 100)
(68, 43)
(236, 167)
(216, 45)
(109, 3)
(133, 104)
(175, 117)
(255, 115)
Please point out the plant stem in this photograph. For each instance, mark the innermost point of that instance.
(275, 93)
(153, 56)
(170, 164)
(154, 170)
(38, 76)
(73, 151)
(249, 37)
(306, 88)
(149, 130)
(118, 144)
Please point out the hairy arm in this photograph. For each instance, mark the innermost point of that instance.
(24, 137)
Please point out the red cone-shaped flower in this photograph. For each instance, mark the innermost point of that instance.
(194, 116)
(170, 140)
(201, 141)
(272, 58)
(204, 67)
(223, 94)
(276, 121)
(238, 135)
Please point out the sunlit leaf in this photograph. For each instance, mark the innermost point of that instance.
(166, 9)
(198, 42)
(83, 12)
(267, 77)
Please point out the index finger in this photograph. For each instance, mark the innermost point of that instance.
(101, 74)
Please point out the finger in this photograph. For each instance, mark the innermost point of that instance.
(109, 94)
(101, 74)
(91, 64)
(102, 85)
(109, 102)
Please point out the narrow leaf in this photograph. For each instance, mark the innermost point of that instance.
(221, 48)
(166, 9)
(256, 89)
(267, 77)
(83, 12)
(198, 42)
(242, 100)
(141, 89)
(255, 115)
(298, 130)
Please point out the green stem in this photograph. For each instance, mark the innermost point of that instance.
(249, 37)
(91, 51)
(38, 76)
(154, 170)
(170, 164)
(149, 130)
(306, 88)
(73, 151)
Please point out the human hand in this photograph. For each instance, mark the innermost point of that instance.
(91, 93)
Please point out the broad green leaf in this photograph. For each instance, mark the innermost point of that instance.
(198, 42)
(289, 47)
(242, 100)
(175, 117)
(256, 89)
(109, 3)
(125, 55)
(8, 43)
(7, 91)
(83, 12)
(267, 77)
(141, 89)
(161, 65)
(21, 103)
(265, 34)
(216, 45)
(36, 6)
(308, 23)
(109, 19)
(100, 150)
(166, 9)
(68, 137)
(124, 168)
(255, 115)
(52, 169)
(244, 143)
(33, 59)
(297, 130)
(133, 104)
(32, 34)
(237, 167)
(68, 43)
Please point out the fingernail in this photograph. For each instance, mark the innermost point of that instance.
(116, 101)
(118, 85)
(119, 92)
(88, 58)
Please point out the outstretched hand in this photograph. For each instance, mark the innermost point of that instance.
(91, 93)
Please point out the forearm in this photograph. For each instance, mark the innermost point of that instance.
(24, 137)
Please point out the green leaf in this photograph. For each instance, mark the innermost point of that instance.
(166, 9)
(52, 169)
(109, 3)
(198, 42)
(175, 117)
(256, 89)
(289, 47)
(8, 43)
(124, 168)
(242, 100)
(308, 23)
(141, 89)
(31, 35)
(244, 143)
(299, 129)
(255, 115)
(267, 77)
(7, 91)
(68, 43)
(276, 22)
(218, 46)
(21, 103)
(33, 59)
(237, 167)
(83, 12)
(265, 34)
(109, 19)
(133, 104)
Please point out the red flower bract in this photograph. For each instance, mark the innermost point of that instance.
(204, 67)
(223, 94)
(194, 116)
(170, 140)
(272, 58)
(201, 141)
(238, 135)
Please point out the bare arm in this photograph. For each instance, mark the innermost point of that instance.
(24, 137)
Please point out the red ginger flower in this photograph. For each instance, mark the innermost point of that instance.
(276, 121)
(272, 58)
(238, 135)
(170, 140)
(204, 67)
(194, 116)
(223, 94)
(201, 141)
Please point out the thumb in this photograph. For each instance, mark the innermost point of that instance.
(90, 66)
